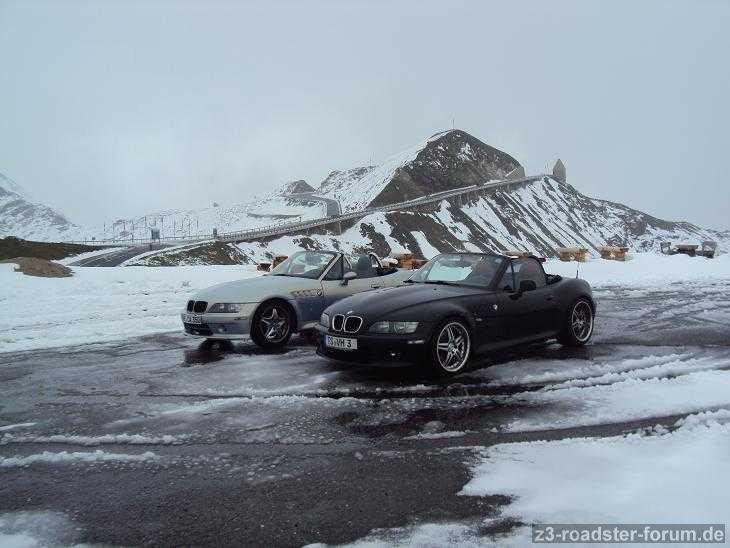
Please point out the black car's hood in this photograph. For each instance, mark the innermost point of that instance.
(372, 305)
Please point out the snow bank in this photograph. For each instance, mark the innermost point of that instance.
(99, 304)
(645, 269)
(664, 477)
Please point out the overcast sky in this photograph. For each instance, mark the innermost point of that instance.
(110, 109)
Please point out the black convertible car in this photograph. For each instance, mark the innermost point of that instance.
(456, 306)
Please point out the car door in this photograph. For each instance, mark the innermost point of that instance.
(528, 313)
(335, 287)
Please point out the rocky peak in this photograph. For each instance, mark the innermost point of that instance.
(296, 187)
(449, 160)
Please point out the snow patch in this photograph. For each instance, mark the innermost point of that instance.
(37, 530)
(672, 477)
(428, 251)
(48, 457)
(108, 439)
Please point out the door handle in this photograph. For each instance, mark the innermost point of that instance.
(375, 286)
(549, 298)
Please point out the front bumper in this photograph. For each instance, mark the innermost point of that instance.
(219, 326)
(375, 349)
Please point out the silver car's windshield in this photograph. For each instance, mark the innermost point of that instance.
(459, 269)
(305, 264)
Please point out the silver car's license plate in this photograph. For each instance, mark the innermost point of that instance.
(340, 343)
(192, 318)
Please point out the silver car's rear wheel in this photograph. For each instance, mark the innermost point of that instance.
(452, 347)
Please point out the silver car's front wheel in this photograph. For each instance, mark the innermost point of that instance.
(272, 325)
(451, 347)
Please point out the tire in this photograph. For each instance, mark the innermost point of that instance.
(272, 324)
(578, 324)
(450, 348)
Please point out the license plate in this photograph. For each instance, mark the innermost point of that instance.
(192, 318)
(341, 343)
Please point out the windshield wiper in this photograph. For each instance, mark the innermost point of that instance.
(439, 282)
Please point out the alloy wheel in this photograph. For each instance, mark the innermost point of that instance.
(581, 321)
(452, 347)
(274, 323)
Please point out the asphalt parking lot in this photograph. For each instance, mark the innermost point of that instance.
(162, 441)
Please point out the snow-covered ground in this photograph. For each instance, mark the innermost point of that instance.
(645, 270)
(99, 304)
(630, 472)
(654, 475)
(102, 304)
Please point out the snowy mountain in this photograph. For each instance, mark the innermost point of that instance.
(21, 216)
(537, 216)
(444, 161)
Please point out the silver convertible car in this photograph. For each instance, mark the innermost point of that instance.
(291, 298)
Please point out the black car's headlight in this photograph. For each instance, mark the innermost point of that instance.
(324, 319)
(399, 328)
(232, 308)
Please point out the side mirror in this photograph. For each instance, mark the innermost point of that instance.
(348, 276)
(527, 285)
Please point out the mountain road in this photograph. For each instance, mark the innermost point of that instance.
(117, 257)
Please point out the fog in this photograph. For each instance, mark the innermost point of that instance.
(115, 108)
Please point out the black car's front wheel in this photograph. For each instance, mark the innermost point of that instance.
(450, 347)
(578, 326)
(271, 325)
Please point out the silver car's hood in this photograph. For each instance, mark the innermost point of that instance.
(254, 290)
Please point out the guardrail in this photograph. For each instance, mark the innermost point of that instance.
(286, 228)
(281, 229)
(133, 242)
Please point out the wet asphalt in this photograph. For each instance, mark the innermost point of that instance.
(237, 446)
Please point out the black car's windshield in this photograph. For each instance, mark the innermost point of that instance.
(305, 264)
(460, 269)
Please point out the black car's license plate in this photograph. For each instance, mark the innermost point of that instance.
(340, 343)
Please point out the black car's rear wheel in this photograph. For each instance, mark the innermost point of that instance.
(271, 326)
(450, 347)
(578, 326)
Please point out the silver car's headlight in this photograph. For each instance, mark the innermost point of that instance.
(324, 319)
(232, 308)
(399, 328)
